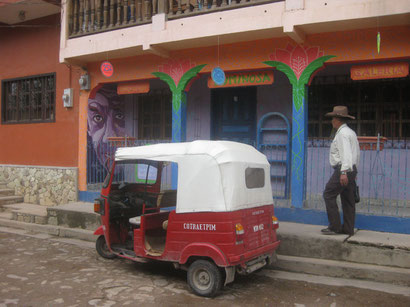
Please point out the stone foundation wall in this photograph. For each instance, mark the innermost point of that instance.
(43, 185)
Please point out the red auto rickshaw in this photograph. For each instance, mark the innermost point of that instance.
(205, 206)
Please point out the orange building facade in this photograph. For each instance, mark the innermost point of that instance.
(38, 138)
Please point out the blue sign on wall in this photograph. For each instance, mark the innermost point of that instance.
(218, 76)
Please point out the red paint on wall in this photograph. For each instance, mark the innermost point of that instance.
(30, 51)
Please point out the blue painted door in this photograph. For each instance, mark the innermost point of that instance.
(274, 141)
(234, 114)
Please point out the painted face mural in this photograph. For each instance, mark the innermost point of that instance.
(105, 119)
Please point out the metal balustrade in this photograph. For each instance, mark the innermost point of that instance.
(383, 177)
(86, 17)
(101, 155)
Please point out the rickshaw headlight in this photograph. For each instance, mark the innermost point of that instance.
(239, 229)
(275, 222)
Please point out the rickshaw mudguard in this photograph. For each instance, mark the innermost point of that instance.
(203, 250)
(99, 231)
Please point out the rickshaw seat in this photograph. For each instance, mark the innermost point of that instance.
(165, 225)
(136, 221)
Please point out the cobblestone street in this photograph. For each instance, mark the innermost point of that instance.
(38, 270)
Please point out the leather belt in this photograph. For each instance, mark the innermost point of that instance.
(338, 166)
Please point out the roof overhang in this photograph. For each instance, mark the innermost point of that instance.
(18, 11)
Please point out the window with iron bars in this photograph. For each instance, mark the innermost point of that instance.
(29, 99)
(155, 115)
(379, 106)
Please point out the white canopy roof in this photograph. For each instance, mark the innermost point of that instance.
(211, 174)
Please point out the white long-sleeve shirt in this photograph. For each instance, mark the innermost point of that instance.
(345, 150)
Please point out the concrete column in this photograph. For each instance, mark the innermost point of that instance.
(299, 149)
(82, 141)
(179, 118)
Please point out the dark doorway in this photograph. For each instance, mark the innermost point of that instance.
(234, 114)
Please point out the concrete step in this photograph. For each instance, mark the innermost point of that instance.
(5, 200)
(27, 213)
(7, 215)
(368, 247)
(344, 269)
(6, 192)
(74, 215)
(3, 185)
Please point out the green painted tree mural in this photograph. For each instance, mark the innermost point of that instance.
(298, 64)
(177, 88)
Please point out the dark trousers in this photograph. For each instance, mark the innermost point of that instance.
(332, 190)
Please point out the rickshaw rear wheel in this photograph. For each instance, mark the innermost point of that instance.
(204, 278)
(102, 248)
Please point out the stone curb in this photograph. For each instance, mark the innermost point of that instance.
(339, 282)
(81, 234)
(344, 269)
(364, 247)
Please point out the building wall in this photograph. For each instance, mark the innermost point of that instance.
(199, 111)
(39, 161)
(45, 186)
(28, 51)
(347, 47)
(276, 97)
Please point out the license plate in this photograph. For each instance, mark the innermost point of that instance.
(257, 227)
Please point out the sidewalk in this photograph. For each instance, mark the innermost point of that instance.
(368, 255)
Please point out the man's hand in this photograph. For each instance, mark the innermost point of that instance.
(344, 180)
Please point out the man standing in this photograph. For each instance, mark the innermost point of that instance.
(344, 158)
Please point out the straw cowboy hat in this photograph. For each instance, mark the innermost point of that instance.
(339, 111)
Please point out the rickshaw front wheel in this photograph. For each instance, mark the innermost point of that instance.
(204, 278)
(102, 248)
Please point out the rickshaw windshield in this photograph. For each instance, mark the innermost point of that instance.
(136, 171)
(133, 171)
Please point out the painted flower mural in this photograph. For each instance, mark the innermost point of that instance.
(176, 68)
(297, 58)
(298, 63)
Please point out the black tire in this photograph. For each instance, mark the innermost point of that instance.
(102, 248)
(204, 278)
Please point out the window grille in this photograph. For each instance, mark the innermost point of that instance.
(29, 99)
(380, 106)
(155, 115)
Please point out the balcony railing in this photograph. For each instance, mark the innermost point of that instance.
(87, 17)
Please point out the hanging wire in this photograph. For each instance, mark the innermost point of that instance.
(218, 50)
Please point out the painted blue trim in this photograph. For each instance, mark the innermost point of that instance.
(299, 150)
(168, 209)
(366, 222)
(260, 146)
(174, 176)
(179, 118)
(88, 196)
